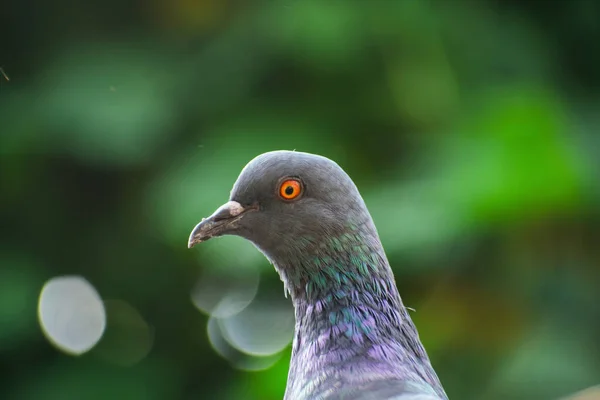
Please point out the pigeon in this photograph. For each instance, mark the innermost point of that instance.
(353, 338)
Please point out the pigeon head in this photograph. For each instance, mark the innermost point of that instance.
(354, 339)
(286, 202)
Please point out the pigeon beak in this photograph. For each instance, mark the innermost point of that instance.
(218, 223)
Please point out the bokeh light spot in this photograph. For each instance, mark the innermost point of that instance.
(238, 359)
(224, 293)
(128, 338)
(261, 329)
(71, 314)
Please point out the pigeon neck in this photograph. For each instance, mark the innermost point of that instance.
(351, 296)
(349, 312)
(347, 272)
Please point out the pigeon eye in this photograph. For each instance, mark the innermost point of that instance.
(290, 189)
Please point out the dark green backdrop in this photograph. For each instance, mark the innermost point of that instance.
(470, 127)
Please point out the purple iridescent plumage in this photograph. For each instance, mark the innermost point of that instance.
(354, 331)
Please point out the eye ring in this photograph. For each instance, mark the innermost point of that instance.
(290, 189)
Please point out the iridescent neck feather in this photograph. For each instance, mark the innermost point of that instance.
(351, 325)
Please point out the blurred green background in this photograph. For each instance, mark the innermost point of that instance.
(470, 127)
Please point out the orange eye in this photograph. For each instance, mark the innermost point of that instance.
(290, 189)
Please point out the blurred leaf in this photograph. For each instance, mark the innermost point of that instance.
(107, 103)
(321, 34)
(19, 287)
(79, 380)
(518, 162)
(551, 361)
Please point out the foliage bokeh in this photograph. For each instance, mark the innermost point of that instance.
(470, 127)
